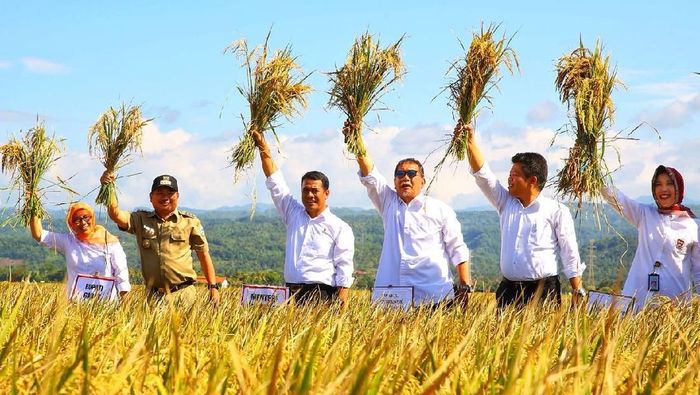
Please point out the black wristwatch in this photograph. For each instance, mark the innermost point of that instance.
(466, 288)
(213, 286)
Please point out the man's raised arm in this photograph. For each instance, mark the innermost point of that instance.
(120, 217)
(364, 161)
(476, 158)
(268, 164)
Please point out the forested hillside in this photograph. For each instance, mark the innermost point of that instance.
(253, 251)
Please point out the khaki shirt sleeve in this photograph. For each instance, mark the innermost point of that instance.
(198, 241)
(134, 221)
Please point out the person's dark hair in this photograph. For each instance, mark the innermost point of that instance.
(317, 176)
(532, 164)
(411, 160)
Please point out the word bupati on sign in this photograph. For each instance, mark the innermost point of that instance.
(87, 287)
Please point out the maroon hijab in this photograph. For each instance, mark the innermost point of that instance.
(677, 181)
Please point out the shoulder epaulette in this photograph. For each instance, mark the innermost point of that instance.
(187, 214)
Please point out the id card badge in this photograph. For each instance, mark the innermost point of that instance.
(653, 282)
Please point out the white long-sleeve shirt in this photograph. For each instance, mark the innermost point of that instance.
(318, 250)
(670, 239)
(421, 239)
(91, 259)
(532, 236)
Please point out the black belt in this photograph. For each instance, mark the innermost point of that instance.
(172, 289)
(526, 283)
(294, 287)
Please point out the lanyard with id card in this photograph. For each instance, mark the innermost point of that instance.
(653, 280)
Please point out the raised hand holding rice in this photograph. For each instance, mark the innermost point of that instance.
(113, 138)
(26, 160)
(476, 74)
(358, 85)
(275, 87)
(585, 82)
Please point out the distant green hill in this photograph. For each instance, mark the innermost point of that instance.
(253, 251)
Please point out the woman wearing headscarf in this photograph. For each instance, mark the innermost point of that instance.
(88, 248)
(667, 260)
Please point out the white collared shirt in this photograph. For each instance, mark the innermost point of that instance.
(670, 239)
(84, 258)
(318, 250)
(531, 236)
(421, 239)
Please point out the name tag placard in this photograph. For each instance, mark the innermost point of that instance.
(264, 294)
(393, 296)
(601, 300)
(87, 287)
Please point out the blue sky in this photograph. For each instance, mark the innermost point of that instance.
(67, 62)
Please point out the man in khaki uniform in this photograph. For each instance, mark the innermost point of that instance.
(165, 237)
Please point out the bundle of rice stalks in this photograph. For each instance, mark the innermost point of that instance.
(476, 75)
(358, 85)
(585, 83)
(113, 138)
(26, 160)
(275, 87)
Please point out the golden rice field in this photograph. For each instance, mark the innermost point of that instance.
(50, 346)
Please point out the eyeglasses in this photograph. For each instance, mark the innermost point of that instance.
(409, 173)
(84, 218)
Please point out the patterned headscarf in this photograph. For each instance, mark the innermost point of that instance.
(677, 181)
(96, 234)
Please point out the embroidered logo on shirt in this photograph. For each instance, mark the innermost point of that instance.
(148, 232)
(680, 243)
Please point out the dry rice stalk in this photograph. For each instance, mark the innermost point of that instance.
(585, 83)
(275, 87)
(358, 85)
(476, 74)
(26, 160)
(113, 138)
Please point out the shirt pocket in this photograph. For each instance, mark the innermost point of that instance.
(540, 236)
(320, 245)
(177, 237)
(425, 232)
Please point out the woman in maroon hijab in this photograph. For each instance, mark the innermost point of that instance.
(667, 260)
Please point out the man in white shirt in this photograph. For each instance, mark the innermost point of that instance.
(533, 229)
(422, 236)
(318, 259)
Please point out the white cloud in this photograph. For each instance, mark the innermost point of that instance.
(156, 142)
(667, 89)
(629, 74)
(44, 66)
(543, 112)
(198, 164)
(675, 114)
(640, 159)
(165, 114)
(5, 64)
(206, 182)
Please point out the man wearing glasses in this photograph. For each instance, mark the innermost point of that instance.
(422, 236)
(166, 237)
